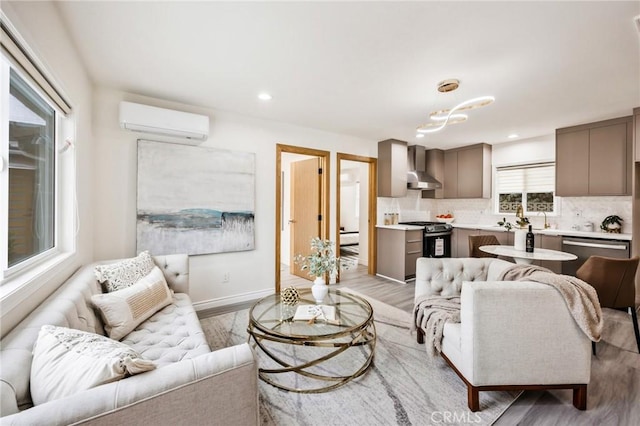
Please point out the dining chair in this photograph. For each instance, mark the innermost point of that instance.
(614, 281)
(476, 241)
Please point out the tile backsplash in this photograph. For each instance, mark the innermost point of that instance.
(571, 210)
(594, 209)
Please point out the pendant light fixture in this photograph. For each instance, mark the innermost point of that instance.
(444, 117)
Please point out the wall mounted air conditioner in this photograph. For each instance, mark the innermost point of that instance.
(187, 127)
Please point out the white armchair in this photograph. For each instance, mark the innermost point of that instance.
(511, 335)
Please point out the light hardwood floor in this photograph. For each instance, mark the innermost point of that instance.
(614, 391)
(382, 289)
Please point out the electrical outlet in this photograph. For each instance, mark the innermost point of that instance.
(226, 277)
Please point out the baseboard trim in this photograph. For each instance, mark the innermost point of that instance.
(396, 280)
(229, 301)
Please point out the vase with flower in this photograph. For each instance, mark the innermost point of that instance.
(520, 230)
(321, 263)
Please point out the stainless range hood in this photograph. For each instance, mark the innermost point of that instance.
(417, 177)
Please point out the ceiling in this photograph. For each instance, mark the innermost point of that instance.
(370, 69)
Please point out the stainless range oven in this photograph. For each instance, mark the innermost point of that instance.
(436, 238)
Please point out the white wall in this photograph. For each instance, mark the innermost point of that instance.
(40, 26)
(252, 273)
(532, 150)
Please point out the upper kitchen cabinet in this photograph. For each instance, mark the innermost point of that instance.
(392, 168)
(595, 158)
(467, 172)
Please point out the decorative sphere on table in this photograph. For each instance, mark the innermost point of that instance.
(290, 296)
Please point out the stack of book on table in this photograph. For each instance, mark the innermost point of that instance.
(312, 313)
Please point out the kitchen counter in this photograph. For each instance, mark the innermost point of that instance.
(560, 232)
(401, 227)
(399, 247)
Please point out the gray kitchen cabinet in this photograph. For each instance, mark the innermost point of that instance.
(504, 238)
(595, 158)
(552, 242)
(450, 184)
(460, 239)
(392, 168)
(398, 251)
(467, 172)
(572, 163)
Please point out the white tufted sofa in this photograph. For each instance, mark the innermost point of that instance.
(191, 385)
(511, 335)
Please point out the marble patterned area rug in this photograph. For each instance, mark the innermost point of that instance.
(614, 390)
(404, 386)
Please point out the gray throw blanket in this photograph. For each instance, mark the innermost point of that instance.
(434, 312)
(580, 297)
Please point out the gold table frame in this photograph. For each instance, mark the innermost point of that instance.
(356, 329)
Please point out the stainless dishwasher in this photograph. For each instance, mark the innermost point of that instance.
(585, 247)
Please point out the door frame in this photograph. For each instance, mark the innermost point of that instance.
(372, 202)
(324, 157)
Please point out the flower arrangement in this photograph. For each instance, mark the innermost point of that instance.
(322, 259)
(521, 222)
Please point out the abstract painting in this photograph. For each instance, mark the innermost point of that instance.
(194, 200)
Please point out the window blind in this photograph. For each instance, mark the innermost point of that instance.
(12, 47)
(529, 178)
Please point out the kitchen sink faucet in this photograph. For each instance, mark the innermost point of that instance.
(546, 224)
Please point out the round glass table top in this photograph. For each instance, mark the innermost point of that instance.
(273, 317)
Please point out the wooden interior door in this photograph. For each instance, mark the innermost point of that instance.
(305, 215)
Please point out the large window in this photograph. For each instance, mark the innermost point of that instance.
(531, 185)
(31, 173)
(32, 112)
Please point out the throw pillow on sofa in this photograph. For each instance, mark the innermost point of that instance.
(123, 310)
(119, 275)
(66, 361)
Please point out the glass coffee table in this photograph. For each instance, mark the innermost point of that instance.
(312, 356)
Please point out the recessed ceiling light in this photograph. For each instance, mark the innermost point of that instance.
(513, 136)
(265, 96)
(420, 135)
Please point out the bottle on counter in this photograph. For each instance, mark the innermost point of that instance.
(530, 240)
